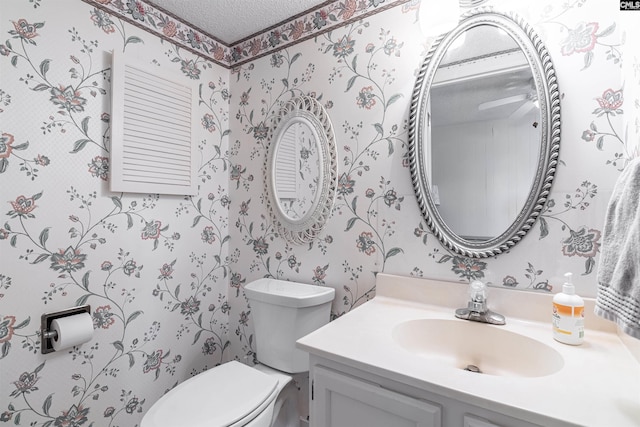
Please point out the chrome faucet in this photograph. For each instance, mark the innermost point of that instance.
(477, 309)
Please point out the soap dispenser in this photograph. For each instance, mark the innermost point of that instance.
(568, 314)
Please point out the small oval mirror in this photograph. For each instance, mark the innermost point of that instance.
(298, 169)
(301, 169)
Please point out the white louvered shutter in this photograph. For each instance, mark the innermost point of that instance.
(152, 134)
(287, 164)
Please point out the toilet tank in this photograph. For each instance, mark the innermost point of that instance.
(282, 312)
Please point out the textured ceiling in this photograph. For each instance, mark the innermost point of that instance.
(233, 20)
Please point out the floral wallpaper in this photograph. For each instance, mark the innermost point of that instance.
(301, 27)
(154, 268)
(164, 275)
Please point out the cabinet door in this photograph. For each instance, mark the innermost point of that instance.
(343, 401)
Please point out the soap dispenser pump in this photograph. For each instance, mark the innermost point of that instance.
(568, 314)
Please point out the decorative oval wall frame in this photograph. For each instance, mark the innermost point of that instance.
(302, 120)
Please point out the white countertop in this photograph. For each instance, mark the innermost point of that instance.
(599, 384)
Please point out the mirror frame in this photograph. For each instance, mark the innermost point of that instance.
(549, 95)
(307, 110)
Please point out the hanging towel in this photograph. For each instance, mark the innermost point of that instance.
(618, 297)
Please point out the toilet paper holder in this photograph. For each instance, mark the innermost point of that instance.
(47, 335)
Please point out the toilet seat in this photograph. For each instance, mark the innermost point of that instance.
(228, 395)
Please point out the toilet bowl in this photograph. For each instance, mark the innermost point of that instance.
(234, 394)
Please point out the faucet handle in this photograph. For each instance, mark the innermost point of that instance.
(477, 309)
(478, 291)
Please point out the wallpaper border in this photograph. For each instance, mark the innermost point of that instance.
(326, 17)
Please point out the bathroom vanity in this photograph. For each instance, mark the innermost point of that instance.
(403, 359)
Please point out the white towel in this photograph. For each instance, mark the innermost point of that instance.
(618, 297)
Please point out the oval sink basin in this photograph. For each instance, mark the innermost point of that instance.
(461, 344)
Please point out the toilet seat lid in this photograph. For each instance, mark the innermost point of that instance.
(221, 396)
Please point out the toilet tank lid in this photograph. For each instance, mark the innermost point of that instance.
(288, 294)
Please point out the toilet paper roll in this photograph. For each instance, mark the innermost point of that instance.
(72, 330)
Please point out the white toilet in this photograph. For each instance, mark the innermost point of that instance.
(234, 394)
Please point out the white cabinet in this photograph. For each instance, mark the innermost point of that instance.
(340, 400)
(344, 396)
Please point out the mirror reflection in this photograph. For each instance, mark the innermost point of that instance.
(297, 169)
(484, 133)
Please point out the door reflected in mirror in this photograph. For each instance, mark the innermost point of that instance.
(297, 169)
(484, 133)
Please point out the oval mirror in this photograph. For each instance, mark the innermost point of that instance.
(484, 133)
(301, 169)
